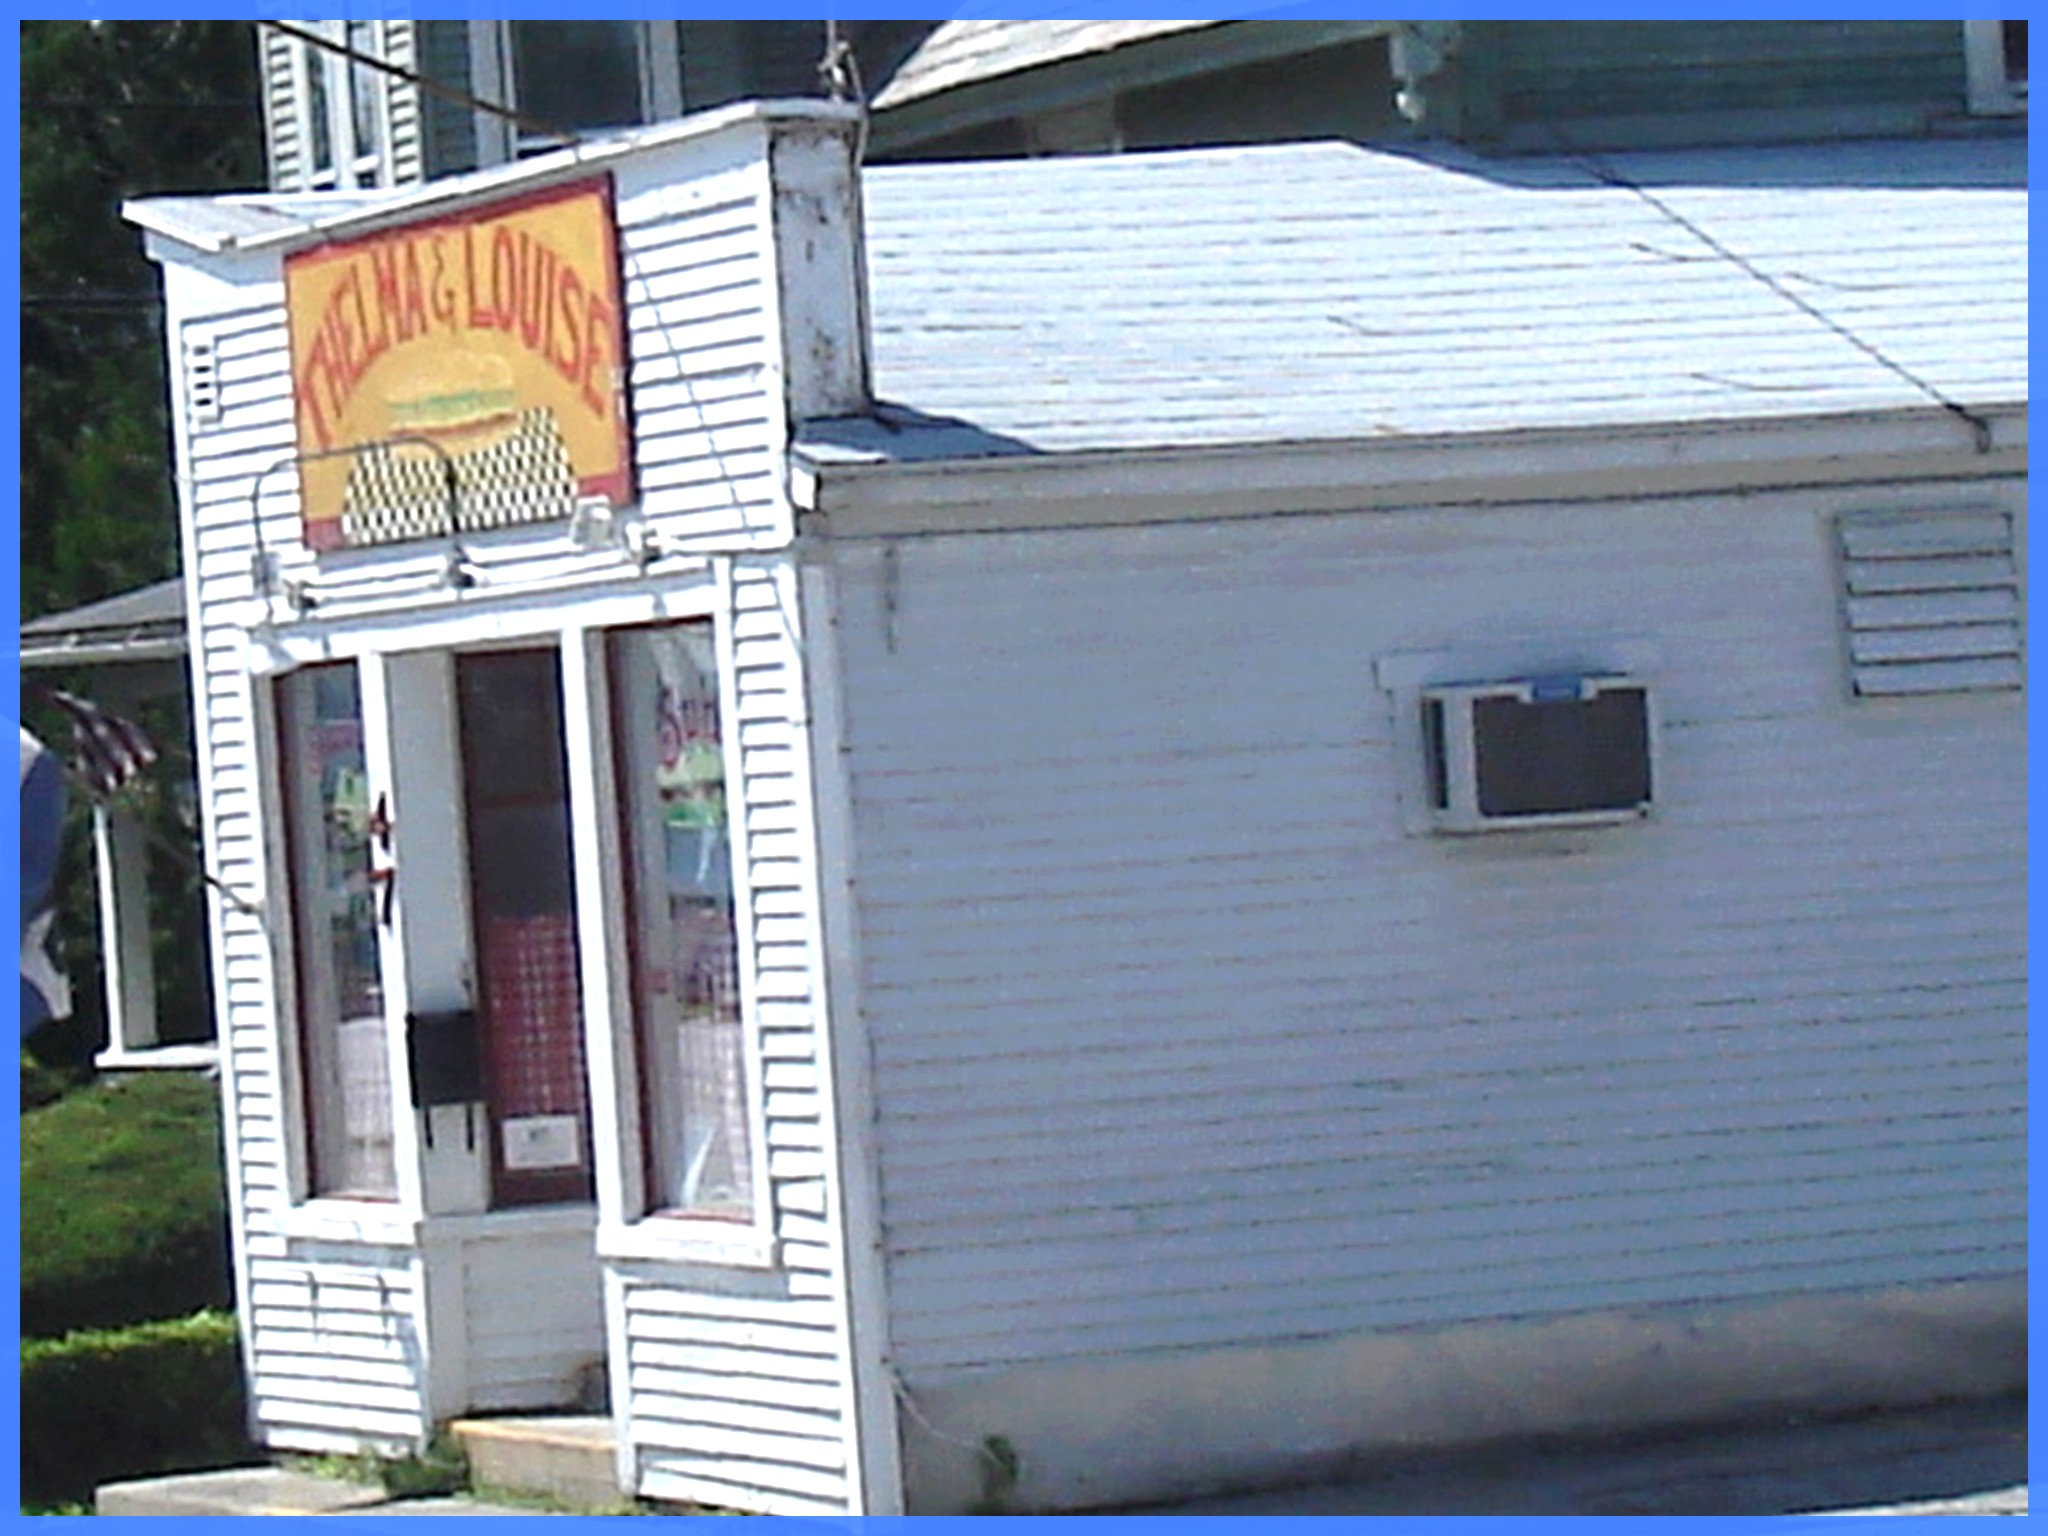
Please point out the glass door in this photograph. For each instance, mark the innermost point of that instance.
(522, 903)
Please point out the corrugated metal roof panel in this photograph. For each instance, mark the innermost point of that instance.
(1327, 291)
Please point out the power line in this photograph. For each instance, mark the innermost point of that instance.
(413, 77)
(90, 301)
(1980, 429)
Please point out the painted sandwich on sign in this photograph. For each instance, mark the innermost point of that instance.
(480, 354)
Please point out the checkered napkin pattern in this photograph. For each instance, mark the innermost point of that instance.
(398, 491)
(536, 1015)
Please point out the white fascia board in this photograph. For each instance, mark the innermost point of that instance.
(533, 173)
(844, 500)
(94, 652)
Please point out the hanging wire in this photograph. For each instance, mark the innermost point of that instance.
(518, 119)
(839, 72)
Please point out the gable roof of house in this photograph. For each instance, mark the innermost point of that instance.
(960, 53)
(144, 624)
(969, 52)
(1325, 291)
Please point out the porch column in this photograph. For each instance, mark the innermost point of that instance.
(122, 865)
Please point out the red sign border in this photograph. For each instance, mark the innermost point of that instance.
(616, 486)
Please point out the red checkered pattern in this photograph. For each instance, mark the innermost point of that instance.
(536, 1013)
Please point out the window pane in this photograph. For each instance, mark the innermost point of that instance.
(320, 133)
(686, 954)
(363, 90)
(344, 1045)
(577, 74)
(2015, 35)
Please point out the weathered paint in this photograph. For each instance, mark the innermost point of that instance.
(1182, 1040)
(369, 1323)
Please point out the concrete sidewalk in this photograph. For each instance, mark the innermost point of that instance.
(284, 1491)
(1959, 1458)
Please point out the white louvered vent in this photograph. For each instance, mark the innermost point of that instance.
(202, 383)
(1931, 603)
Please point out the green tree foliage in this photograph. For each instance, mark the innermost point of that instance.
(111, 110)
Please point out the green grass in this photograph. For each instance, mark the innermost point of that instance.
(123, 1216)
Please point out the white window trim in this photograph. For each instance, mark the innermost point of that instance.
(1992, 92)
(352, 165)
(629, 1230)
(312, 1214)
(490, 79)
(334, 1219)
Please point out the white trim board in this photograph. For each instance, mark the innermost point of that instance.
(867, 499)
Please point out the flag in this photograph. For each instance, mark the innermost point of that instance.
(45, 991)
(109, 753)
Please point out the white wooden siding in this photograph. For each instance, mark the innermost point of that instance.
(337, 1348)
(738, 1387)
(766, 1425)
(1179, 1040)
(707, 412)
(532, 1313)
(332, 1334)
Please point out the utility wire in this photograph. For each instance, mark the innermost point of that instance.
(413, 77)
(839, 71)
(1601, 171)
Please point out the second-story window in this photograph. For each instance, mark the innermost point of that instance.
(346, 108)
(572, 75)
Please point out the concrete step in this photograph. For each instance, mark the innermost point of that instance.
(570, 1458)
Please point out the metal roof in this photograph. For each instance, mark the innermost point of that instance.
(1326, 291)
(967, 52)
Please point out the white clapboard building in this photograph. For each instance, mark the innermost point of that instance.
(1053, 832)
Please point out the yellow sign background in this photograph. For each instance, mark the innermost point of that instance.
(456, 330)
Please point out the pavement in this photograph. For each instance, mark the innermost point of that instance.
(1950, 1459)
(1957, 1458)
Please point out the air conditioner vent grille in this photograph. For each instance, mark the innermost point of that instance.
(1930, 603)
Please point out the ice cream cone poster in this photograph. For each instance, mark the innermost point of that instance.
(484, 348)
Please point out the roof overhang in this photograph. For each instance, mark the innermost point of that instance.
(143, 625)
(918, 106)
(845, 495)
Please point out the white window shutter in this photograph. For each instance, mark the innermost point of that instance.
(283, 106)
(405, 165)
(1930, 603)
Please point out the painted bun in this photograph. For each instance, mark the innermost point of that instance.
(456, 394)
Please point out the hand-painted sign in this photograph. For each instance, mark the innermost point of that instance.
(489, 342)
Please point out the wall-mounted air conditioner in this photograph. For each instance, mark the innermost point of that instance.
(1538, 752)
